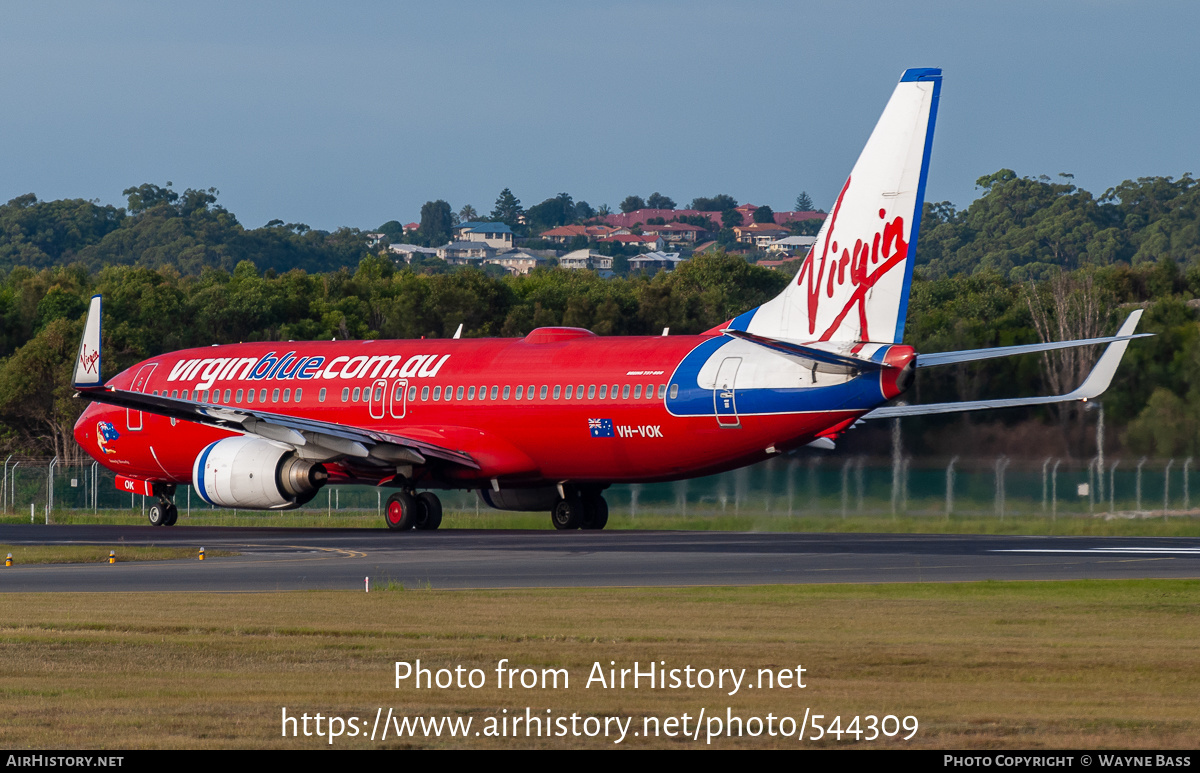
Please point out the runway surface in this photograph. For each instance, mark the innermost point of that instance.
(302, 559)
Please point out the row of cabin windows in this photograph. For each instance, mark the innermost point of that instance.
(214, 396)
(533, 391)
(361, 394)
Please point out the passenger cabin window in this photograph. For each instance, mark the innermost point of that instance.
(298, 390)
(437, 393)
(424, 393)
(507, 392)
(262, 395)
(614, 391)
(458, 393)
(378, 393)
(494, 389)
(345, 394)
(187, 393)
(520, 392)
(275, 395)
(250, 395)
(568, 393)
(542, 392)
(529, 395)
(603, 391)
(287, 395)
(412, 393)
(637, 392)
(357, 393)
(227, 395)
(662, 391)
(239, 395)
(674, 391)
(591, 391)
(557, 391)
(471, 393)
(320, 395)
(579, 392)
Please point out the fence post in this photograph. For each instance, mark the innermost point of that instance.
(1001, 464)
(858, 484)
(634, 490)
(1045, 483)
(896, 464)
(1054, 490)
(1167, 488)
(12, 497)
(791, 483)
(4, 488)
(50, 488)
(1186, 501)
(1092, 486)
(846, 485)
(1112, 486)
(1100, 451)
(1138, 488)
(950, 487)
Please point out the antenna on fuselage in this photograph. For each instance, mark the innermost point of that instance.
(666, 331)
(458, 333)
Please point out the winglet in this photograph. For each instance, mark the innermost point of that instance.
(1102, 374)
(87, 363)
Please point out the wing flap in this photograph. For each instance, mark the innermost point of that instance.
(306, 435)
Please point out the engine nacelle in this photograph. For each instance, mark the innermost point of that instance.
(255, 474)
(525, 499)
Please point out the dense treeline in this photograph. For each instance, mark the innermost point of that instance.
(1031, 259)
(160, 227)
(1030, 228)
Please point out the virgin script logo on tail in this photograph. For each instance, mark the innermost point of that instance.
(861, 266)
(88, 359)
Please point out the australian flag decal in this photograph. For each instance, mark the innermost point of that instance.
(600, 427)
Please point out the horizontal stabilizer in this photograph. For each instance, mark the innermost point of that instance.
(1092, 387)
(970, 355)
(819, 359)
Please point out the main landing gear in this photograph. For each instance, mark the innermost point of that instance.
(407, 510)
(164, 512)
(580, 511)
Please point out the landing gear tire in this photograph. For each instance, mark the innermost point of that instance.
(401, 511)
(429, 511)
(595, 513)
(157, 515)
(170, 515)
(567, 513)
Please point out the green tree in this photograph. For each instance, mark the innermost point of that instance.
(764, 214)
(658, 201)
(436, 223)
(718, 203)
(804, 203)
(632, 204)
(468, 214)
(508, 209)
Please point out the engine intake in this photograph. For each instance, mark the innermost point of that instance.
(255, 474)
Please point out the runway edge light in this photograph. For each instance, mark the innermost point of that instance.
(202, 554)
(8, 560)
(112, 556)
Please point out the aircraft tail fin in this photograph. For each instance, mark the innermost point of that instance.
(854, 284)
(87, 362)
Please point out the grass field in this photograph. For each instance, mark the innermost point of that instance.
(1054, 665)
(695, 520)
(87, 554)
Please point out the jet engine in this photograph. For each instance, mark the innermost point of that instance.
(255, 474)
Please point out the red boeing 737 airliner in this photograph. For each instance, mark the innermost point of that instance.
(548, 421)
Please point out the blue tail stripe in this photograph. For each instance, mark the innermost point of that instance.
(918, 74)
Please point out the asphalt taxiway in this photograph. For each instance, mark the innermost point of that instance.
(302, 559)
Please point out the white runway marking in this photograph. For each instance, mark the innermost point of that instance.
(1107, 551)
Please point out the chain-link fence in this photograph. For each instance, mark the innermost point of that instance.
(787, 486)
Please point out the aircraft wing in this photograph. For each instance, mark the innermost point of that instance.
(1092, 387)
(317, 440)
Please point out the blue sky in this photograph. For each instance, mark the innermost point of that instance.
(357, 113)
